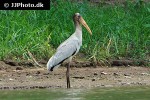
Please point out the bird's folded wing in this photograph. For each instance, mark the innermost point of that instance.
(64, 52)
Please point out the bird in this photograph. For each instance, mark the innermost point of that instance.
(69, 47)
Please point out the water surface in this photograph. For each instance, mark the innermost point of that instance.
(123, 93)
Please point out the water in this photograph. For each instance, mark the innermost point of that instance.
(124, 93)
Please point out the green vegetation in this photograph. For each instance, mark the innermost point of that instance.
(118, 30)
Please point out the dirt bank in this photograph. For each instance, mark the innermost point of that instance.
(21, 77)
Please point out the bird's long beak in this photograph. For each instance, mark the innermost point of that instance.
(82, 21)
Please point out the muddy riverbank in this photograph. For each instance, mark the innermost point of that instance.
(25, 77)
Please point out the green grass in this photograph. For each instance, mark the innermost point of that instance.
(118, 31)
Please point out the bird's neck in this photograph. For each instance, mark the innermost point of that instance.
(78, 30)
(78, 33)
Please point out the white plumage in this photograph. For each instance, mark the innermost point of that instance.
(68, 48)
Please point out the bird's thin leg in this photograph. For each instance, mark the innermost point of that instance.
(68, 76)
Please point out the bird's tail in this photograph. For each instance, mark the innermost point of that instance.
(51, 64)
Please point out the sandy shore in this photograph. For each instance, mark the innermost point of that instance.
(19, 77)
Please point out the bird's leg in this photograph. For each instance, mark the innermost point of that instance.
(68, 76)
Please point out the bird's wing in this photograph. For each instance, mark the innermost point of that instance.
(64, 51)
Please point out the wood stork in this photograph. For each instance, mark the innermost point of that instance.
(69, 47)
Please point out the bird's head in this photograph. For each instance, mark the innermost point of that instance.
(77, 18)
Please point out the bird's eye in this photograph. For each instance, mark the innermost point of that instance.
(79, 16)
